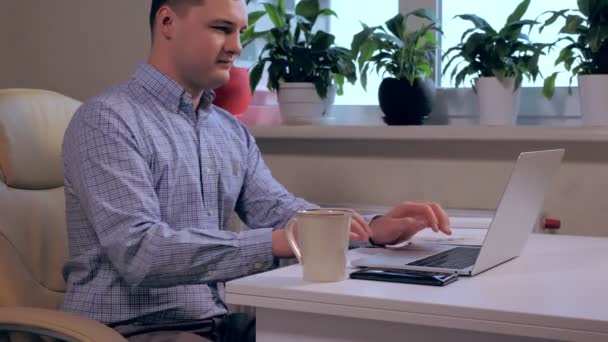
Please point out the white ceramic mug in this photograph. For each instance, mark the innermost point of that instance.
(324, 236)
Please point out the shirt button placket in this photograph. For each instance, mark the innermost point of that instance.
(207, 176)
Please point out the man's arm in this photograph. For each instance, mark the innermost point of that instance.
(263, 201)
(114, 185)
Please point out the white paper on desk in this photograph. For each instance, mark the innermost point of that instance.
(460, 236)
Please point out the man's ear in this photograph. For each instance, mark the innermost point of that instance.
(165, 19)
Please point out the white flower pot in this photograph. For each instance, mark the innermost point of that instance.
(593, 98)
(300, 104)
(498, 104)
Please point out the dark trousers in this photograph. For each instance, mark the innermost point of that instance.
(228, 328)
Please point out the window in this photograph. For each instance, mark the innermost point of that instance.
(496, 13)
(534, 109)
(345, 26)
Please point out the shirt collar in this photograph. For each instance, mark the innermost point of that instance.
(167, 90)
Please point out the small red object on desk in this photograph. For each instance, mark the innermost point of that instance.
(551, 223)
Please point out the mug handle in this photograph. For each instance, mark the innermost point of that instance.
(292, 239)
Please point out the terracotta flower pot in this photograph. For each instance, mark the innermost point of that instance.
(235, 95)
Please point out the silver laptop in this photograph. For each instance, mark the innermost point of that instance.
(516, 215)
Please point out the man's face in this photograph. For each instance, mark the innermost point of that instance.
(206, 42)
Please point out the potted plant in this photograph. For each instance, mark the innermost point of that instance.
(497, 61)
(305, 68)
(586, 56)
(408, 57)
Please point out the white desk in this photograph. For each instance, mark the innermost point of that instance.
(556, 290)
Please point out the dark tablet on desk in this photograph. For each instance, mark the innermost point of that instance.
(405, 276)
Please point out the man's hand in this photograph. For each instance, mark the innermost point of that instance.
(280, 245)
(359, 230)
(407, 219)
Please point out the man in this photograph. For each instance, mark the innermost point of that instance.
(153, 172)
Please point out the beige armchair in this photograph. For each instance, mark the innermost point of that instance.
(33, 238)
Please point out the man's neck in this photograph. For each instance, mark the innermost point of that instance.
(166, 69)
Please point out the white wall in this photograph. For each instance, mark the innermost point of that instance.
(458, 174)
(11, 43)
(76, 47)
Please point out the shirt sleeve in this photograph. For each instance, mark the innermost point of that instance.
(106, 171)
(264, 202)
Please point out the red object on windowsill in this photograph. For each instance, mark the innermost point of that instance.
(235, 95)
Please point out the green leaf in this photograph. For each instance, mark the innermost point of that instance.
(339, 79)
(328, 12)
(367, 51)
(594, 38)
(255, 75)
(424, 14)
(360, 38)
(281, 7)
(275, 16)
(512, 30)
(308, 9)
(395, 25)
(248, 37)
(549, 86)
(461, 76)
(321, 86)
(302, 61)
(584, 6)
(475, 42)
(349, 71)
(478, 22)
(572, 24)
(430, 37)
(276, 72)
(555, 15)
(447, 66)
(254, 16)
(564, 55)
(364, 76)
(322, 40)
(519, 12)
(467, 32)
(568, 63)
(390, 39)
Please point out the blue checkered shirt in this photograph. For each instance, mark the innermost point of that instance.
(150, 185)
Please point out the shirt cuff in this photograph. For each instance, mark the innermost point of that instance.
(258, 256)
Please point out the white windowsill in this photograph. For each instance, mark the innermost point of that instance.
(538, 120)
(435, 133)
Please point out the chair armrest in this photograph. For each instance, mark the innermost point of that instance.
(56, 324)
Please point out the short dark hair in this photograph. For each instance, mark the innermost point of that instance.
(175, 4)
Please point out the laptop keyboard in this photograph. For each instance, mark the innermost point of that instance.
(456, 258)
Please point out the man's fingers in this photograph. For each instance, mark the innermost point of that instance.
(442, 217)
(359, 229)
(362, 222)
(436, 217)
(427, 214)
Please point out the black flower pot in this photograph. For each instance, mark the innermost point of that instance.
(404, 104)
(601, 59)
